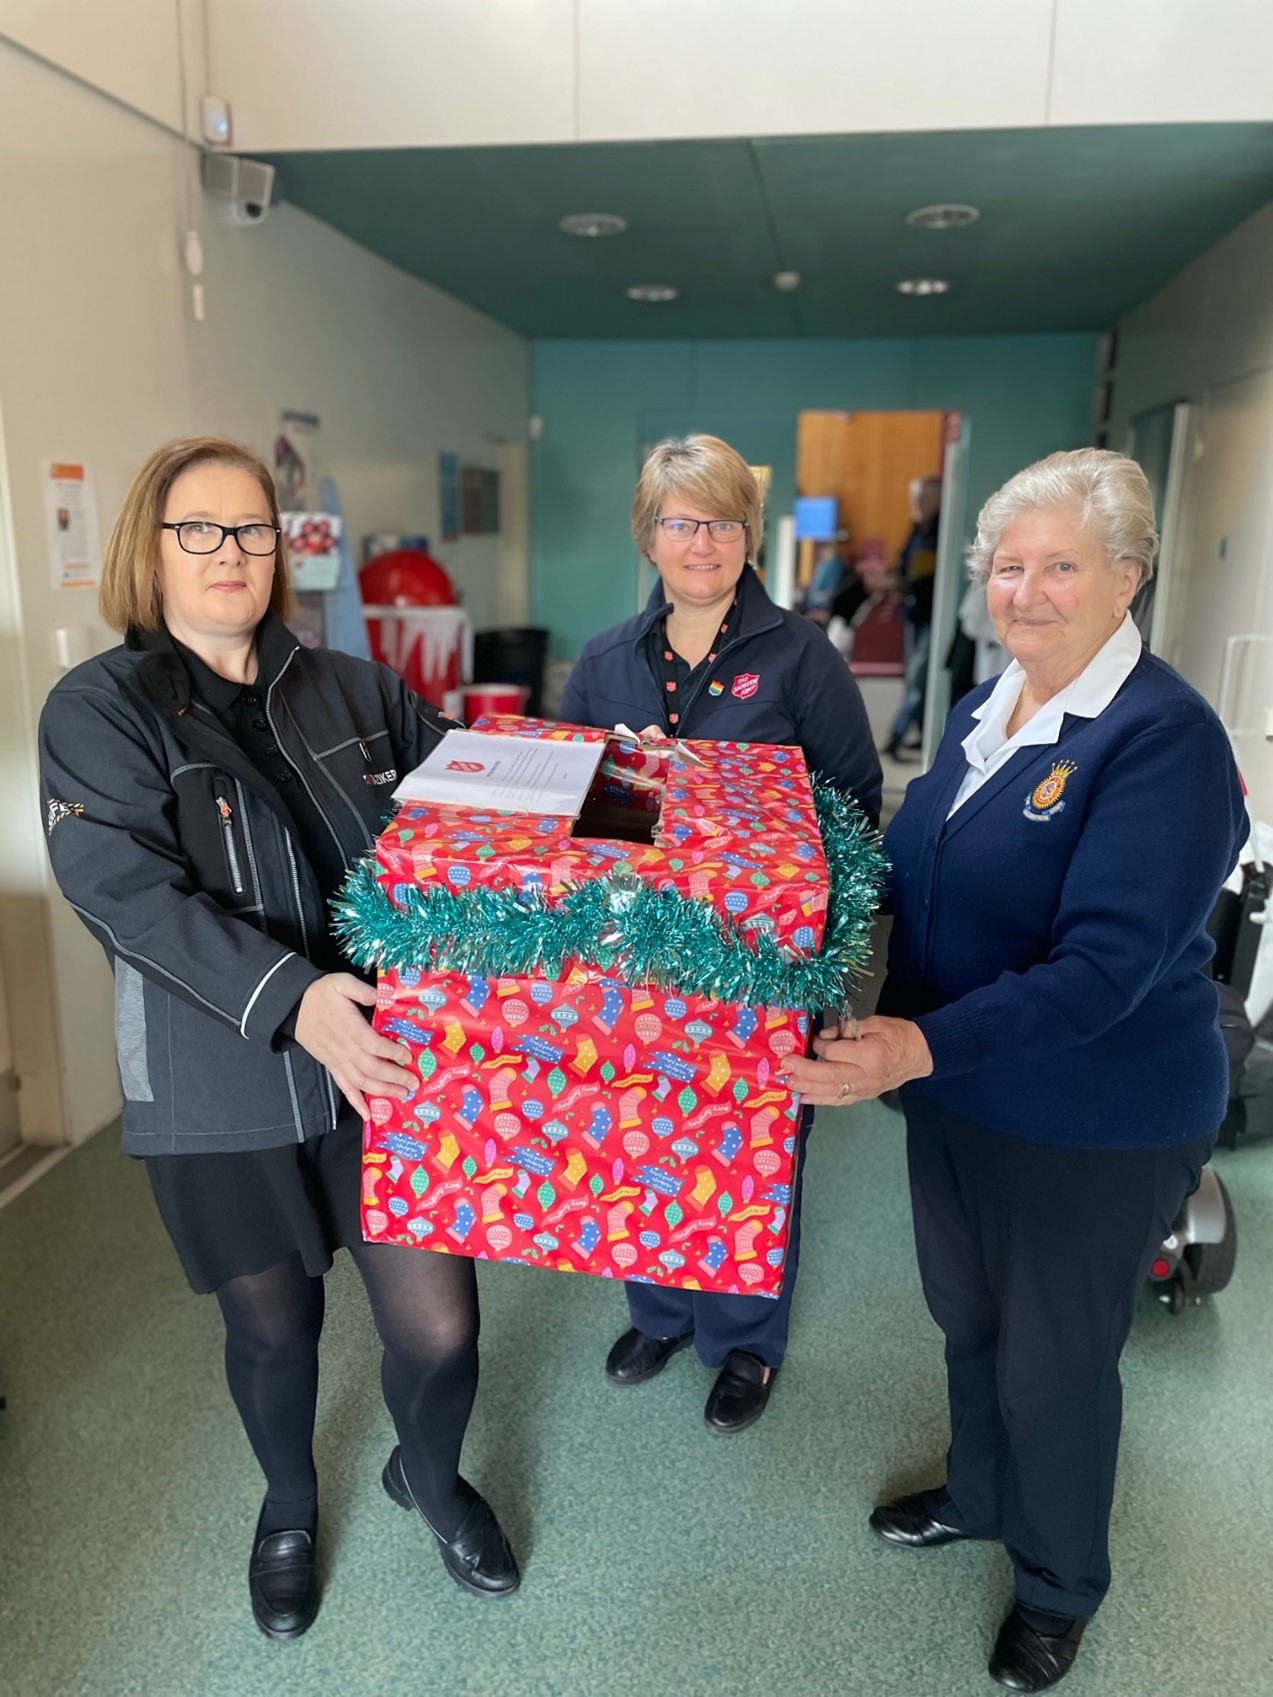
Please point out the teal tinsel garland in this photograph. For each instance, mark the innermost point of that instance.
(627, 928)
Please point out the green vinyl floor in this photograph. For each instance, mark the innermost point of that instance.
(660, 1561)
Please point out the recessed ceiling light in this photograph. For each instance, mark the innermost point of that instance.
(923, 286)
(652, 292)
(593, 224)
(944, 217)
(787, 282)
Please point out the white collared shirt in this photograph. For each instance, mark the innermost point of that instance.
(987, 746)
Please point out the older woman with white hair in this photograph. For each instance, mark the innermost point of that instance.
(1049, 1019)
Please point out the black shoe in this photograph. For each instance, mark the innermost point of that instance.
(283, 1582)
(636, 1358)
(477, 1557)
(914, 1522)
(1026, 1660)
(739, 1395)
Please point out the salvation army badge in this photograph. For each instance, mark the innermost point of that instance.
(745, 685)
(1048, 798)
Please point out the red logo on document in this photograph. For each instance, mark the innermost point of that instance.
(745, 685)
(465, 766)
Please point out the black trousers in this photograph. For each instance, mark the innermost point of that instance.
(1031, 1257)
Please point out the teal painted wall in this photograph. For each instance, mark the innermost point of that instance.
(601, 401)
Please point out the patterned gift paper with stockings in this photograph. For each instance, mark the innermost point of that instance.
(583, 1123)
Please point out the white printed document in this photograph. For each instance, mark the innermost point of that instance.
(508, 774)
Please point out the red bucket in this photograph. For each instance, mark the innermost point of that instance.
(480, 699)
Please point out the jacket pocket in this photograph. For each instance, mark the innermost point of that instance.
(130, 1033)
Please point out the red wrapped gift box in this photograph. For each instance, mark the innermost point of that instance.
(582, 1123)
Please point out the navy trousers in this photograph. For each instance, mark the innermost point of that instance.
(1031, 1258)
(719, 1324)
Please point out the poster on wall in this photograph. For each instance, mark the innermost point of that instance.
(449, 495)
(70, 512)
(313, 548)
(297, 458)
(479, 490)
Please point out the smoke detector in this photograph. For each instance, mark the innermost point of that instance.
(593, 224)
(948, 216)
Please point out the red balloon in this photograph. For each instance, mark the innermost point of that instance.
(406, 577)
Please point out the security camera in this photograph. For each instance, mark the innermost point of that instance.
(245, 185)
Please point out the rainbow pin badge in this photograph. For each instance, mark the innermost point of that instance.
(1047, 799)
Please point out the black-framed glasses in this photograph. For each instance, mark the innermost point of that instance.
(685, 530)
(201, 536)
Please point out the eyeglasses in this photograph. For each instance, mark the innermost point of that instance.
(685, 530)
(201, 536)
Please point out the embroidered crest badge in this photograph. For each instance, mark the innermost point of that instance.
(1048, 798)
(59, 810)
(745, 685)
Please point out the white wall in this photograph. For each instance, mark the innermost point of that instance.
(315, 74)
(133, 50)
(101, 360)
(1207, 337)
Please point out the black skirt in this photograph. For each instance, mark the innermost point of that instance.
(228, 1215)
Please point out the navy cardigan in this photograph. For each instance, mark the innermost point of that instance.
(1050, 939)
(777, 679)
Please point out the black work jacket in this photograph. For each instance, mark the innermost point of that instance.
(183, 862)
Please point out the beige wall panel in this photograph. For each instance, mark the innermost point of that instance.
(126, 48)
(749, 67)
(1162, 62)
(315, 74)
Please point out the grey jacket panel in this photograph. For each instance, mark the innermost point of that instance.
(185, 866)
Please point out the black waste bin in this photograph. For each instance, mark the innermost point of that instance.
(513, 656)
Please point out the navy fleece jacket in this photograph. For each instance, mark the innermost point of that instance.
(776, 679)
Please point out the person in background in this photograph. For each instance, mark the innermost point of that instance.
(206, 787)
(712, 657)
(1049, 1018)
(975, 653)
(916, 572)
(832, 575)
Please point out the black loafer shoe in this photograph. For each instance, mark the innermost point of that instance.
(914, 1522)
(739, 1395)
(636, 1358)
(477, 1557)
(1026, 1660)
(283, 1583)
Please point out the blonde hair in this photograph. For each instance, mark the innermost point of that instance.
(129, 596)
(1110, 493)
(706, 472)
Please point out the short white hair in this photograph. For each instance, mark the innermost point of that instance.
(1109, 492)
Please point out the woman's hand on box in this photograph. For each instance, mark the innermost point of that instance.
(883, 1054)
(331, 1026)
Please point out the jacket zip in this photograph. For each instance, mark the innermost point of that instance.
(226, 819)
(269, 719)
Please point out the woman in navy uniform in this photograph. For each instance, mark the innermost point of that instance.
(713, 658)
(1049, 1018)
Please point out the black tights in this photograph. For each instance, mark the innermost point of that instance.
(425, 1308)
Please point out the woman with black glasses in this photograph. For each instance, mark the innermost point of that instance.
(712, 657)
(206, 787)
